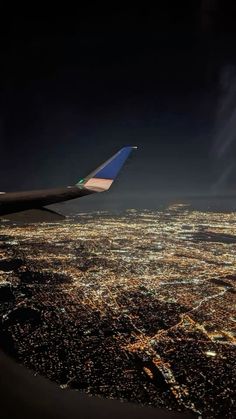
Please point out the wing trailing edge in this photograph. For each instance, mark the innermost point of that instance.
(34, 215)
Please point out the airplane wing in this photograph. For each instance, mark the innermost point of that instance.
(102, 178)
(99, 180)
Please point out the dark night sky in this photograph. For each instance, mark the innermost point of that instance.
(76, 88)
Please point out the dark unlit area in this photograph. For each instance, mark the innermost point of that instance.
(25, 396)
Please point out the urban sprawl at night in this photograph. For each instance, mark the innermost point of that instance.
(138, 306)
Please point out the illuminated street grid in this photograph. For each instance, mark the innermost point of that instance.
(139, 306)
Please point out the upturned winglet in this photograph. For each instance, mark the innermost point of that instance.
(102, 178)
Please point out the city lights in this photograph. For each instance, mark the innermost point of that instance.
(138, 306)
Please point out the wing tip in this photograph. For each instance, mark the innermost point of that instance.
(102, 178)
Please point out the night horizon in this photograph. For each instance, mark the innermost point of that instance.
(75, 90)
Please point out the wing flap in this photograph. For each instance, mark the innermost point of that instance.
(33, 216)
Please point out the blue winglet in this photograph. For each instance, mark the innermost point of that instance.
(102, 177)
